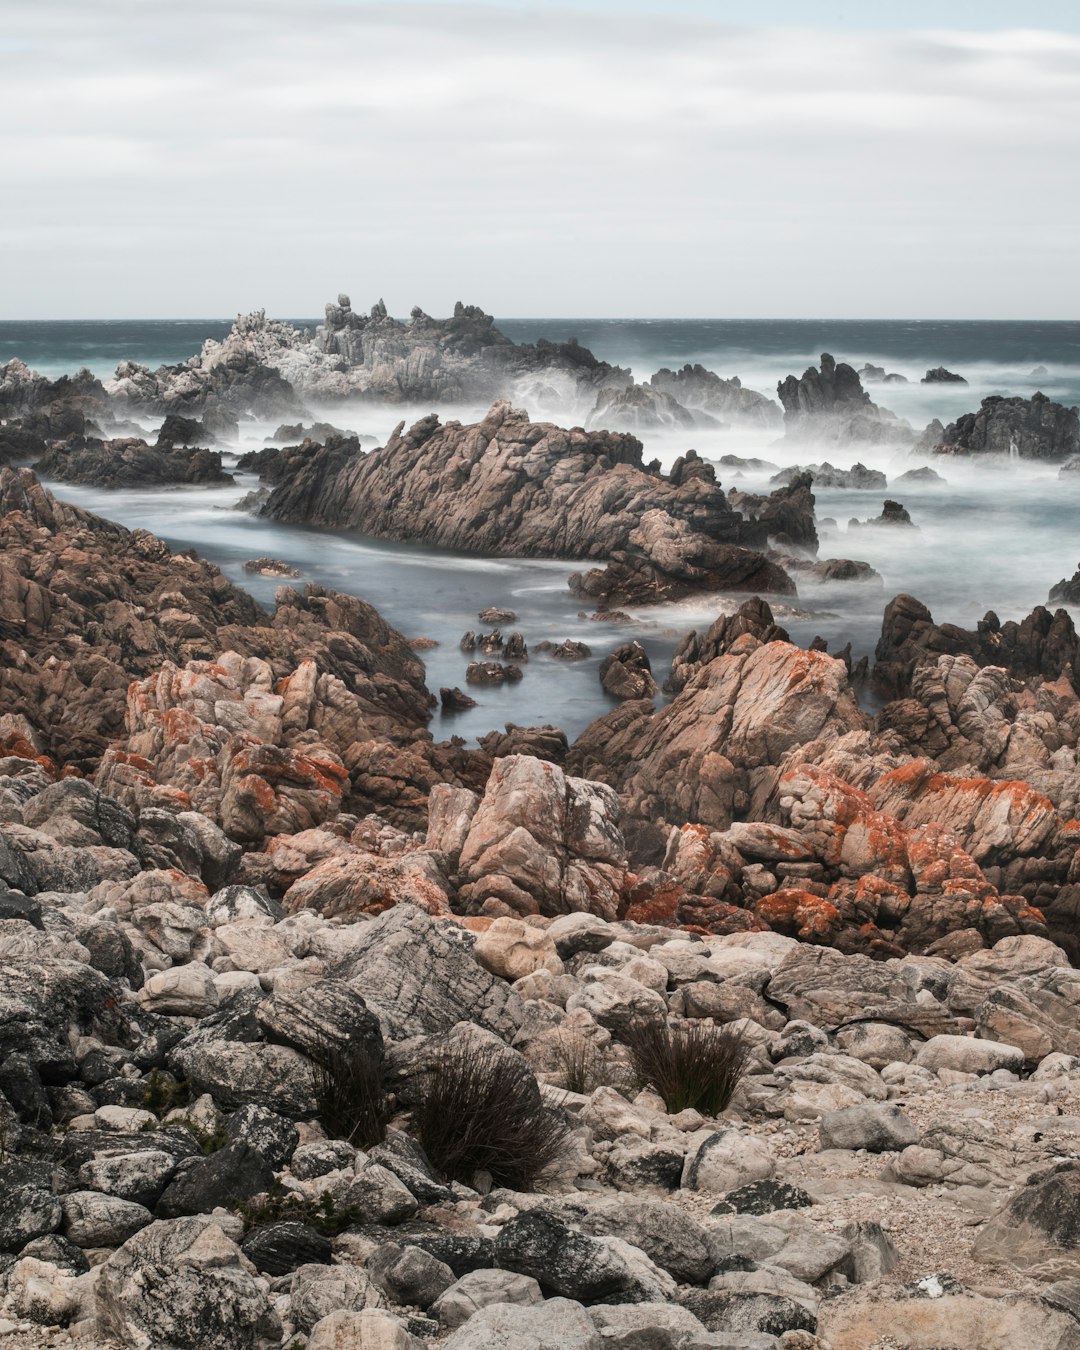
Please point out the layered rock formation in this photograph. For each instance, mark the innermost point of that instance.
(829, 406)
(1019, 428)
(703, 390)
(530, 489)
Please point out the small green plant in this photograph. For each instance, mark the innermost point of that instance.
(479, 1110)
(164, 1093)
(350, 1099)
(689, 1064)
(282, 1206)
(210, 1141)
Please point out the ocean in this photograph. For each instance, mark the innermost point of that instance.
(995, 536)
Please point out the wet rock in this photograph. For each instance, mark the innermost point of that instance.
(627, 673)
(829, 405)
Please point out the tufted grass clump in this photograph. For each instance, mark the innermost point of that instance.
(693, 1064)
(478, 1111)
(350, 1099)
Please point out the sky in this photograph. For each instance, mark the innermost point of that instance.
(618, 158)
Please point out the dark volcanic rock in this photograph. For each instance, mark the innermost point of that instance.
(572, 494)
(1024, 428)
(829, 405)
(892, 514)
(939, 375)
(177, 430)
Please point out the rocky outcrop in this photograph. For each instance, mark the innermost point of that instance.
(939, 375)
(879, 375)
(130, 462)
(537, 842)
(267, 367)
(87, 606)
(641, 407)
(1067, 590)
(858, 477)
(511, 486)
(829, 406)
(893, 515)
(1018, 428)
(703, 390)
(1043, 644)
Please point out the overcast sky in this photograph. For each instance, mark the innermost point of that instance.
(633, 158)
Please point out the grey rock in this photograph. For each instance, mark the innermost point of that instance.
(409, 1276)
(183, 1285)
(380, 1197)
(234, 1173)
(326, 1015)
(271, 1135)
(138, 1177)
(239, 1074)
(317, 1291)
(568, 1263)
(478, 1289)
(732, 1311)
(876, 1127)
(505, 1326)
(419, 976)
(95, 1220)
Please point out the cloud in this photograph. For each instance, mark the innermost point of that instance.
(224, 154)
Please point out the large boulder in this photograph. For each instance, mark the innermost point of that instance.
(183, 1285)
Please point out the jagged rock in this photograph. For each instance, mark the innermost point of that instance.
(1019, 428)
(642, 407)
(829, 405)
(858, 477)
(327, 1015)
(893, 514)
(541, 842)
(665, 540)
(626, 672)
(129, 463)
(877, 375)
(703, 390)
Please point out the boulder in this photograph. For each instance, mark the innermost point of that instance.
(183, 1285)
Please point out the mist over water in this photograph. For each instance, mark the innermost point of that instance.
(996, 535)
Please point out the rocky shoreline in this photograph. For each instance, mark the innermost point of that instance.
(318, 1032)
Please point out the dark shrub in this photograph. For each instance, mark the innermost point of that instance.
(688, 1064)
(479, 1110)
(350, 1099)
